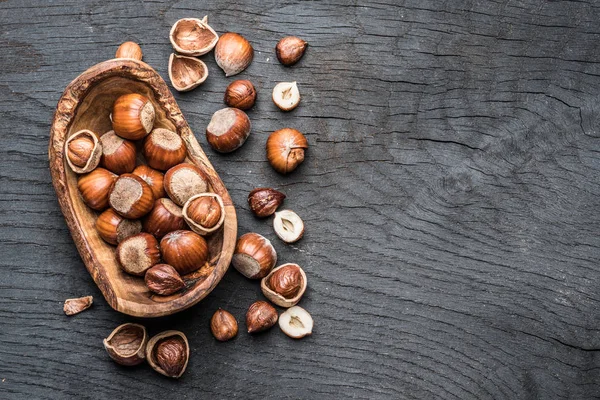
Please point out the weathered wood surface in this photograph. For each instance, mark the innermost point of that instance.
(450, 195)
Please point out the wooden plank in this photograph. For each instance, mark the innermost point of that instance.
(450, 196)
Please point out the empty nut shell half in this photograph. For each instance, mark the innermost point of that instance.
(193, 37)
(286, 95)
(284, 285)
(83, 151)
(288, 226)
(168, 353)
(186, 73)
(233, 53)
(204, 213)
(296, 322)
(127, 344)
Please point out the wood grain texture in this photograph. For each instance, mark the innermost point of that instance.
(450, 195)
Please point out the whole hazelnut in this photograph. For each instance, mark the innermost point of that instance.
(204, 213)
(260, 317)
(228, 129)
(113, 228)
(95, 188)
(233, 53)
(168, 353)
(129, 50)
(163, 149)
(154, 179)
(290, 50)
(223, 325)
(265, 201)
(118, 154)
(240, 94)
(138, 253)
(254, 256)
(184, 181)
(285, 149)
(131, 197)
(163, 279)
(133, 116)
(185, 251)
(165, 217)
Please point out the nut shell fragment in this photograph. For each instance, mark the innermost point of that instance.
(127, 344)
(75, 306)
(186, 73)
(193, 36)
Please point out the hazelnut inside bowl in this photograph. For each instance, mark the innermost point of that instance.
(86, 104)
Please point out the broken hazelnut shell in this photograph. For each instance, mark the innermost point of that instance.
(83, 151)
(240, 94)
(260, 317)
(184, 181)
(254, 256)
(129, 50)
(163, 279)
(186, 73)
(118, 154)
(265, 201)
(131, 197)
(290, 50)
(133, 116)
(165, 217)
(138, 253)
(168, 353)
(113, 228)
(285, 149)
(127, 344)
(233, 53)
(186, 251)
(204, 213)
(163, 149)
(193, 37)
(228, 129)
(75, 306)
(95, 188)
(223, 325)
(284, 285)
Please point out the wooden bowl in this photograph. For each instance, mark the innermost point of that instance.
(87, 103)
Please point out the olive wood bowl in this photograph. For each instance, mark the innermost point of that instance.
(87, 103)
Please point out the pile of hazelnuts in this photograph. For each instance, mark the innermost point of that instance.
(144, 204)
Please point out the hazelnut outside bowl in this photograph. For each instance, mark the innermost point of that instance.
(86, 104)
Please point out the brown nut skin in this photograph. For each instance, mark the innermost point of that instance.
(254, 256)
(126, 345)
(290, 50)
(185, 251)
(168, 353)
(154, 179)
(285, 149)
(163, 279)
(260, 317)
(265, 201)
(228, 129)
(165, 217)
(240, 94)
(138, 253)
(113, 228)
(95, 188)
(223, 325)
(133, 116)
(184, 181)
(118, 155)
(131, 197)
(83, 151)
(129, 50)
(163, 149)
(233, 53)
(75, 306)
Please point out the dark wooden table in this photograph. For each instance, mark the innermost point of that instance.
(450, 193)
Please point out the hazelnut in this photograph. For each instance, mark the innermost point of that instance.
(131, 197)
(240, 94)
(285, 149)
(254, 256)
(168, 353)
(113, 228)
(223, 325)
(290, 50)
(95, 188)
(296, 322)
(265, 201)
(184, 181)
(185, 251)
(133, 116)
(153, 178)
(288, 226)
(193, 37)
(118, 154)
(138, 253)
(165, 217)
(260, 317)
(228, 129)
(163, 279)
(186, 73)
(233, 53)
(284, 285)
(129, 50)
(286, 95)
(163, 149)
(127, 344)
(204, 213)
(75, 306)
(83, 151)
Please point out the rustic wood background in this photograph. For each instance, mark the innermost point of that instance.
(450, 194)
